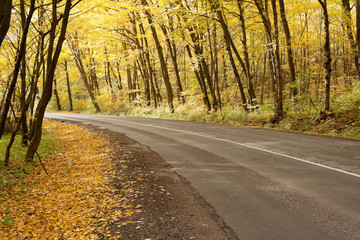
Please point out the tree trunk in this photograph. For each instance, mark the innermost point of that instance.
(202, 65)
(172, 49)
(293, 88)
(163, 65)
(23, 107)
(46, 96)
(84, 77)
(273, 50)
(279, 83)
(228, 41)
(119, 76)
(349, 27)
(58, 104)
(73, 43)
(5, 16)
(200, 81)
(107, 72)
(216, 67)
(327, 52)
(68, 86)
(145, 67)
(21, 53)
(246, 67)
(93, 77)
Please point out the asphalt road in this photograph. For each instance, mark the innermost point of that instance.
(265, 184)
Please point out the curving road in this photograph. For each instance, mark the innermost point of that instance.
(265, 184)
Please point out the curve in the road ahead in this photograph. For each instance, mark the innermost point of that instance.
(251, 179)
(248, 146)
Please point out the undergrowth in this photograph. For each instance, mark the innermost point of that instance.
(344, 120)
(302, 116)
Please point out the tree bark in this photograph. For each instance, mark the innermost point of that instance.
(5, 16)
(68, 86)
(78, 60)
(23, 107)
(200, 80)
(107, 72)
(293, 88)
(202, 66)
(84, 77)
(47, 91)
(6, 105)
(349, 27)
(246, 65)
(119, 76)
(163, 64)
(327, 52)
(57, 98)
(273, 50)
(172, 50)
(228, 41)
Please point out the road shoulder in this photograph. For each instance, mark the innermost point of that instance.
(168, 207)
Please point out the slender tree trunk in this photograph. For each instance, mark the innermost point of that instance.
(21, 53)
(293, 88)
(73, 43)
(84, 77)
(228, 41)
(172, 50)
(273, 50)
(157, 86)
(23, 106)
(144, 67)
(279, 83)
(12, 139)
(202, 65)
(216, 67)
(68, 86)
(200, 80)
(119, 76)
(246, 65)
(107, 71)
(349, 31)
(327, 52)
(49, 78)
(93, 77)
(163, 64)
(56, 94)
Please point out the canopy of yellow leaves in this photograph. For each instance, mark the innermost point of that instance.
(74, 200)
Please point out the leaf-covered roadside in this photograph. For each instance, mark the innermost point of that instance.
(73, 201)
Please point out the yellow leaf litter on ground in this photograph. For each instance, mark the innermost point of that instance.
(70, 202)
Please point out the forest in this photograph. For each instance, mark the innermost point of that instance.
(269, 60)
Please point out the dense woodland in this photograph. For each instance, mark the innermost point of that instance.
(115, 55)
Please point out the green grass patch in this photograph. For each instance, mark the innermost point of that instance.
(12, 177)
(344, 122)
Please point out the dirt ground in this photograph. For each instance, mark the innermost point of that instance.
(166, 206)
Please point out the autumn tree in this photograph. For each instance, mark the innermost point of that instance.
(289, 50)
(163, 64)
(19, 58)
(272, 37)
(327, 53)
(54, 50)
(76, 52)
